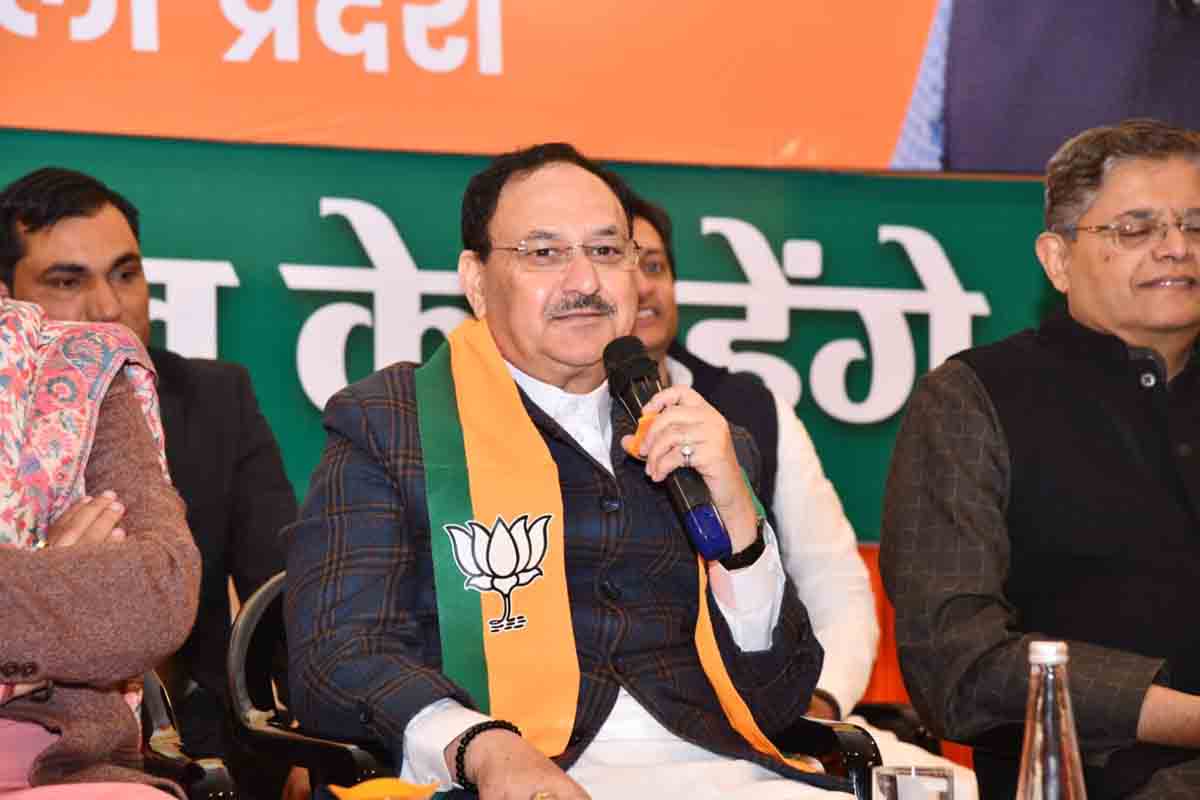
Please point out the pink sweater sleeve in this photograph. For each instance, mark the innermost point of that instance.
(99, 613)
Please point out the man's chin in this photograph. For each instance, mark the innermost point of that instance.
(653, 334)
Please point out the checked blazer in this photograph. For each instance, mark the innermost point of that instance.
(361, 614)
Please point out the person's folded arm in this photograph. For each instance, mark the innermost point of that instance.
(945, 558)
(97, 613)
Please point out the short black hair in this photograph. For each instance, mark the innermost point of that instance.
(660, 220)
(483, 190)
(44, 197)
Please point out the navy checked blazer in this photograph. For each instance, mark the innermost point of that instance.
(361, 614)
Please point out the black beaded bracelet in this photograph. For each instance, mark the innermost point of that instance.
(460, 758)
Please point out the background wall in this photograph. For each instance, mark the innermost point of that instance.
(838, 286)
(299, 166)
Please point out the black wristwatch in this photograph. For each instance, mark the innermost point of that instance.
(748, 556)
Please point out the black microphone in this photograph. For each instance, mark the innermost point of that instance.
(633, 379)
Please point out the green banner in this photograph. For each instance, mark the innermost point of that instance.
(313, 267)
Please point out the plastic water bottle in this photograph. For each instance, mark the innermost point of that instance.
(1050, 764)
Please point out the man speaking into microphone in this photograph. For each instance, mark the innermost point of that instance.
(485, 581)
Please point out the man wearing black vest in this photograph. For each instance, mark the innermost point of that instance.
(1046, 486)
(816, 540)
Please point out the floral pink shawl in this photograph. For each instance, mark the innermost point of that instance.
(53, 376)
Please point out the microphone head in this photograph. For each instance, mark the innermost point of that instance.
(626, 360)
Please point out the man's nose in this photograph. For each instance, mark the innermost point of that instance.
(580, 273)
(642, 282)
(1172, 242)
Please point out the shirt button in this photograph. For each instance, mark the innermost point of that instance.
(1184, 449)
(610, 590)
(1148, 379)
(610, 504)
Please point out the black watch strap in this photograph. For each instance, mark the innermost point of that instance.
(748, 556)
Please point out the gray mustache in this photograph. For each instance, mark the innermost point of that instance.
(577, 301)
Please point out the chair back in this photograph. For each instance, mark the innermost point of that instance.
(251, 612)
(266, 735)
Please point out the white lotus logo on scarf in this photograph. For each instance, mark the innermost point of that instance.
(500, 560)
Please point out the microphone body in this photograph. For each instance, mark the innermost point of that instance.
(633, 379)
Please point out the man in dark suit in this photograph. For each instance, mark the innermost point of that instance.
(617, 684)
(70, 244)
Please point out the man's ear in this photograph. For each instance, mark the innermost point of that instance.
(1053, 252)
(470, 279)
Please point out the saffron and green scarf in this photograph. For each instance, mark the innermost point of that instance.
(496, 525)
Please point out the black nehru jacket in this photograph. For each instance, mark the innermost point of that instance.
(1103, 510)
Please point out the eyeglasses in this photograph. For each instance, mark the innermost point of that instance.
(1136, 234)
(550, 255)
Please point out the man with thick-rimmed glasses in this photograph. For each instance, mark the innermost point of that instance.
(1047, 486)
(488, 577)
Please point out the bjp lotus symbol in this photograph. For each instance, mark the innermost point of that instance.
(500, 560)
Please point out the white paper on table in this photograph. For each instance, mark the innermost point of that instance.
(921, 787)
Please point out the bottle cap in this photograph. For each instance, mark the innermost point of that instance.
(1048, 653)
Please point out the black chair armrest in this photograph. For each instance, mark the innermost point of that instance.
(162, 749)
(328, 761)
(265, 734)
(201, 778)
(902, 720)
(843, 749)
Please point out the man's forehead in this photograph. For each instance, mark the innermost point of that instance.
(558, 199)
(93, 241)
(1142, 187)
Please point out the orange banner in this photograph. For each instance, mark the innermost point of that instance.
(789, 82)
